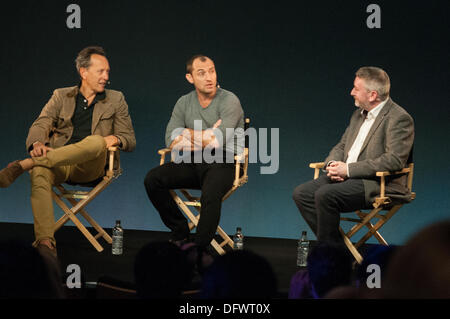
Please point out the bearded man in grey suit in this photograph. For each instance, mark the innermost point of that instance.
(379, 138)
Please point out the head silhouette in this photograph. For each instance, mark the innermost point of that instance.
(421, 268)
(239, 274)
(161, 270)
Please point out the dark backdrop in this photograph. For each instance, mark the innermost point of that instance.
(291, 63)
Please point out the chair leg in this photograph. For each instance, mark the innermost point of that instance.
(350, 246)
(78, 207)
(194, 219)
(373, 231)
(71, 215)
(90, 220)
(226, 239)
(364, 221)
(217, 247)
(184, 208)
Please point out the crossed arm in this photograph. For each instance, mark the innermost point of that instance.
(196, 140)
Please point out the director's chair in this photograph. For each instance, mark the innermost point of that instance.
(79, 199)
(383, 202)
(241, 165)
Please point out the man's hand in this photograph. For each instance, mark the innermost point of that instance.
(337, 171)
(208, 137)
(111, 140)
(39, 149)
(181, 142)
(217, 124)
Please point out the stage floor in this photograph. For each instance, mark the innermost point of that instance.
(74, 248)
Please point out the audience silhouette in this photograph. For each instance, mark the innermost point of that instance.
(329, 266)
(239, 274)
(27, 273)
(161, 270)
(419, 269)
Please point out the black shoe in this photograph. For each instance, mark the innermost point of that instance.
(198, 256)
(180, 241)
(47, 251)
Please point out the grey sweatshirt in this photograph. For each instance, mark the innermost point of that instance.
(225, 106)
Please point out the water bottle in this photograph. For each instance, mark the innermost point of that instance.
(238, 239)
(302, 250)
(117, 239)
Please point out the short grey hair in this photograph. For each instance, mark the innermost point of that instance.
(376, 79)
(83, 59)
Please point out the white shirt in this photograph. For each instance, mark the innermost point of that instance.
(354, 151)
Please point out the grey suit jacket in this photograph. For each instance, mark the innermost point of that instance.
(386, 148)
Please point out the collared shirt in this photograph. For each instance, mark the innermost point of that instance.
(354, 151)
(82, 117)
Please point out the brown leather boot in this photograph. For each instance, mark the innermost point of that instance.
(10, 173)
(47, 249)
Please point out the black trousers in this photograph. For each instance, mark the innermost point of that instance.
(321, 201)
(214, 180)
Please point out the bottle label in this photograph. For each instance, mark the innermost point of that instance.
(117, 245)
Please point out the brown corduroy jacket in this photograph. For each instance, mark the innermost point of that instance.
(54, 127)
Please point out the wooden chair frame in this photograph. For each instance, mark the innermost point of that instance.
(364, 219)
(241, 161)
(78, 201)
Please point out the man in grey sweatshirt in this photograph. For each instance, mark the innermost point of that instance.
(207, 127)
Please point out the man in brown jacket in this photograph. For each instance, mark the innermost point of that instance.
(69, 139)
(379, 138)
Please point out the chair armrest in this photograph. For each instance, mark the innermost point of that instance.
(318, 165)
(111, 154)
(407, 170)
(239, 158)
(386, 173)
(163, 153)
(237, 168)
